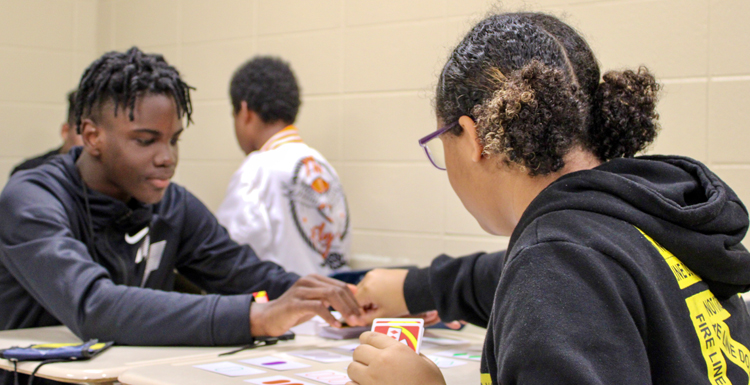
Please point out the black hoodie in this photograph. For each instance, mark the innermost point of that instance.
(625, 274)
(53, 271)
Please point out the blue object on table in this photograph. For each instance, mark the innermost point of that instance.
(41, 352)
(51, 353)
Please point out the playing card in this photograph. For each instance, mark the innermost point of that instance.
(330, 377)
(444, 341)
(277, 380)
(408, 331)
(320, 356)
(462, 354)
(275, 363)
(443, 362)
(229, 369)
(348, 347)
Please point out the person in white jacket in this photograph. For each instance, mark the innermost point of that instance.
(286, 200)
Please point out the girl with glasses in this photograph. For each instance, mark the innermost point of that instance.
(619, 270)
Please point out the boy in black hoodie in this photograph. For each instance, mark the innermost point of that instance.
(619, 270)
(91, 239)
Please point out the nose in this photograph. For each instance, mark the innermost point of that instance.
(166, 156)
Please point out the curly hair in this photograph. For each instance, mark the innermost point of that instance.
(532, 85)
(527, 117)
(627, 118)
(268, 86)
(121, 78)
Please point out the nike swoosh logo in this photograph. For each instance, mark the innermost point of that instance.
(137, 237)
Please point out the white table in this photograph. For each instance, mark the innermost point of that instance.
(104, 368)
(183, 372)
(155, 365)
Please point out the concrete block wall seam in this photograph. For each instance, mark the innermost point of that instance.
(368, 70)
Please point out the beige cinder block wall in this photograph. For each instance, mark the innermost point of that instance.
(44, 46)
(367, 70)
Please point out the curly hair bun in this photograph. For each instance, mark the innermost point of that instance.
(624, 112)
(533, 118)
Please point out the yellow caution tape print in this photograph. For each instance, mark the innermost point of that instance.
(684, 276)
(708, 316)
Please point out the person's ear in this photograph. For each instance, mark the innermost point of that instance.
(246, 115)
(64, 131)
(470, 130)
(92, 136)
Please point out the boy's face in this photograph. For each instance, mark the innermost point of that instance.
(139, 157)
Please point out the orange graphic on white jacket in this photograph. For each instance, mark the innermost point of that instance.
(319, 209)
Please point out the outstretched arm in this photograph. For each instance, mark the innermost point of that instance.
(458, 288)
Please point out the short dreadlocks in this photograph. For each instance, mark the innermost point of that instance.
(124, 77)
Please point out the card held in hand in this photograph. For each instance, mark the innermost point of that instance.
(408, 331)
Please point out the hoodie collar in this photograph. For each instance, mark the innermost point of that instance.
(677, 201)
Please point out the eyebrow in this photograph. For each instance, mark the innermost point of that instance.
(147, 131)
(156, 132)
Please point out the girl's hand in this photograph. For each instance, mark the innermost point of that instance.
(382, 360)
(381, 294)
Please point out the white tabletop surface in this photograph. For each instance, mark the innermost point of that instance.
(149, 365)
(105, 367)
(184, 372)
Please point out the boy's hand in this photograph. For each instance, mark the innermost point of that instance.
(311, 295)
(381, 294)
(382, 360)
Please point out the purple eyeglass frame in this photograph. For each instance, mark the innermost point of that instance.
(440, 131)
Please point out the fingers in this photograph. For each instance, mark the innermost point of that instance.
(430, 318)
(378, 340)
(317, 307)
(455, 325)
(333, 291)
(357, 373)
(326, 296)
(364, 354)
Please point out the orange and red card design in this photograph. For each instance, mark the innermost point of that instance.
(408, 331)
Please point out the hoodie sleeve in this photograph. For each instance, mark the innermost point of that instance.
(211, 259)
(40, 253)
(458, 288)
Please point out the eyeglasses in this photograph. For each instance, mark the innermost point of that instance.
(434, 148)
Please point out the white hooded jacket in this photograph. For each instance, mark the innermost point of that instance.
(287, 202)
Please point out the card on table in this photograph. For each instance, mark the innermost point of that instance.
(277, 380)
(443, 362)
(320, 356)
(275, 363)
(348, 347)
(229, 369)
(444, 341)
(463, 354)
(408, 331)
(330, 377)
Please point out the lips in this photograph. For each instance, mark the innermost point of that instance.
(159, 182)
